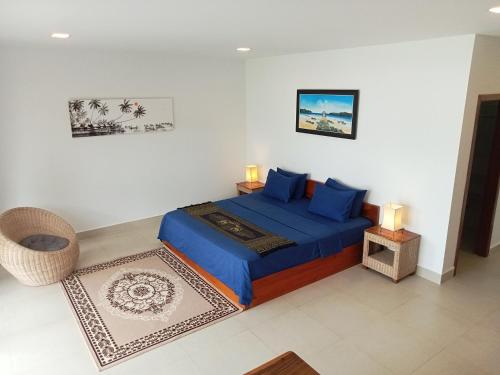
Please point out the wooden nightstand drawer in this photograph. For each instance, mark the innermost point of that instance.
(249, 187)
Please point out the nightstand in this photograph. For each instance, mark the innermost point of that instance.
(249, 187)
(393, 254)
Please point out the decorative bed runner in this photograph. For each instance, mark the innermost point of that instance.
(132, 304)
(250, 235)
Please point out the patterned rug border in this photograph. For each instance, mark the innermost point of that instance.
(104, 350)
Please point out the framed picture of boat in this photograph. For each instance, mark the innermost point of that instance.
(116, 116)
(333, 113)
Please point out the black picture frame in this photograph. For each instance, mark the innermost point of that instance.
(325, 122)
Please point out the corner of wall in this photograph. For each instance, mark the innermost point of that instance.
(462, 165)
(436, 278)
(483, 79)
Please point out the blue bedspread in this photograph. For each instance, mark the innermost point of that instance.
(236, 265)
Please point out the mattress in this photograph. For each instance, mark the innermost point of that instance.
(236, 265)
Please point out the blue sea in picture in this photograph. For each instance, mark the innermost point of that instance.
(326, 112)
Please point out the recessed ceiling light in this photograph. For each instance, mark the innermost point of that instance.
(243, 49)
(59, 35)
(495, 10)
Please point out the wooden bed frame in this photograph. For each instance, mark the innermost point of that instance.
(283, 282)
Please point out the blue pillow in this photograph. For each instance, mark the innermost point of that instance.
(332, 203)
(357, 205)
(300, 187)
(278, 186)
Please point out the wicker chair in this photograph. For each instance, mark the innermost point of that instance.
(33, 267)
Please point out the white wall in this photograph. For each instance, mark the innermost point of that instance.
(100, 181)
(484, 79)
(412, 97)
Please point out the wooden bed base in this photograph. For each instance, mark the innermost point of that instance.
(283, 282)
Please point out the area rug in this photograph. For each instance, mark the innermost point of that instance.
(129, 305)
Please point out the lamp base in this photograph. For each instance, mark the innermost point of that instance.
(393, 233)
(392, 229)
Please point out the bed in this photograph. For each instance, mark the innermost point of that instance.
(322, 246)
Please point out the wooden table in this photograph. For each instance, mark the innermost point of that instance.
(286, 364)
(249, 187)
(393, 254)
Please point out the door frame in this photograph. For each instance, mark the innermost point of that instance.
(481, 99)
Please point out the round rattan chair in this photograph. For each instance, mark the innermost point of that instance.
(32, 267)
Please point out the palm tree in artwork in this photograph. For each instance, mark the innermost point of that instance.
(93, 105)
(103, 109)
(126, 106)
(76, 112)
(76, 105)
(139, 112)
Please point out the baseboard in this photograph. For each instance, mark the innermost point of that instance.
(429, 275)
(114, 227)
(495, 247)
(447, 275)
(435, 277)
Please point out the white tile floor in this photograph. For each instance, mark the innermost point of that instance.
(355, 322)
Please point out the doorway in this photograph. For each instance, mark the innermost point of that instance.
(483, 180)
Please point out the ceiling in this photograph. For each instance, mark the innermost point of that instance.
(216, 27)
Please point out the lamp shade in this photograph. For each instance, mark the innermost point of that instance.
(393, 217)
(251, 174)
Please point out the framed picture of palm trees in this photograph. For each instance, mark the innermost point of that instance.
(97, 116)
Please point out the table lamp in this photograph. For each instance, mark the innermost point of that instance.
(251, 173)
(393, 217)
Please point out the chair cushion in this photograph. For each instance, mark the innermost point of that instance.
(44, 242)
